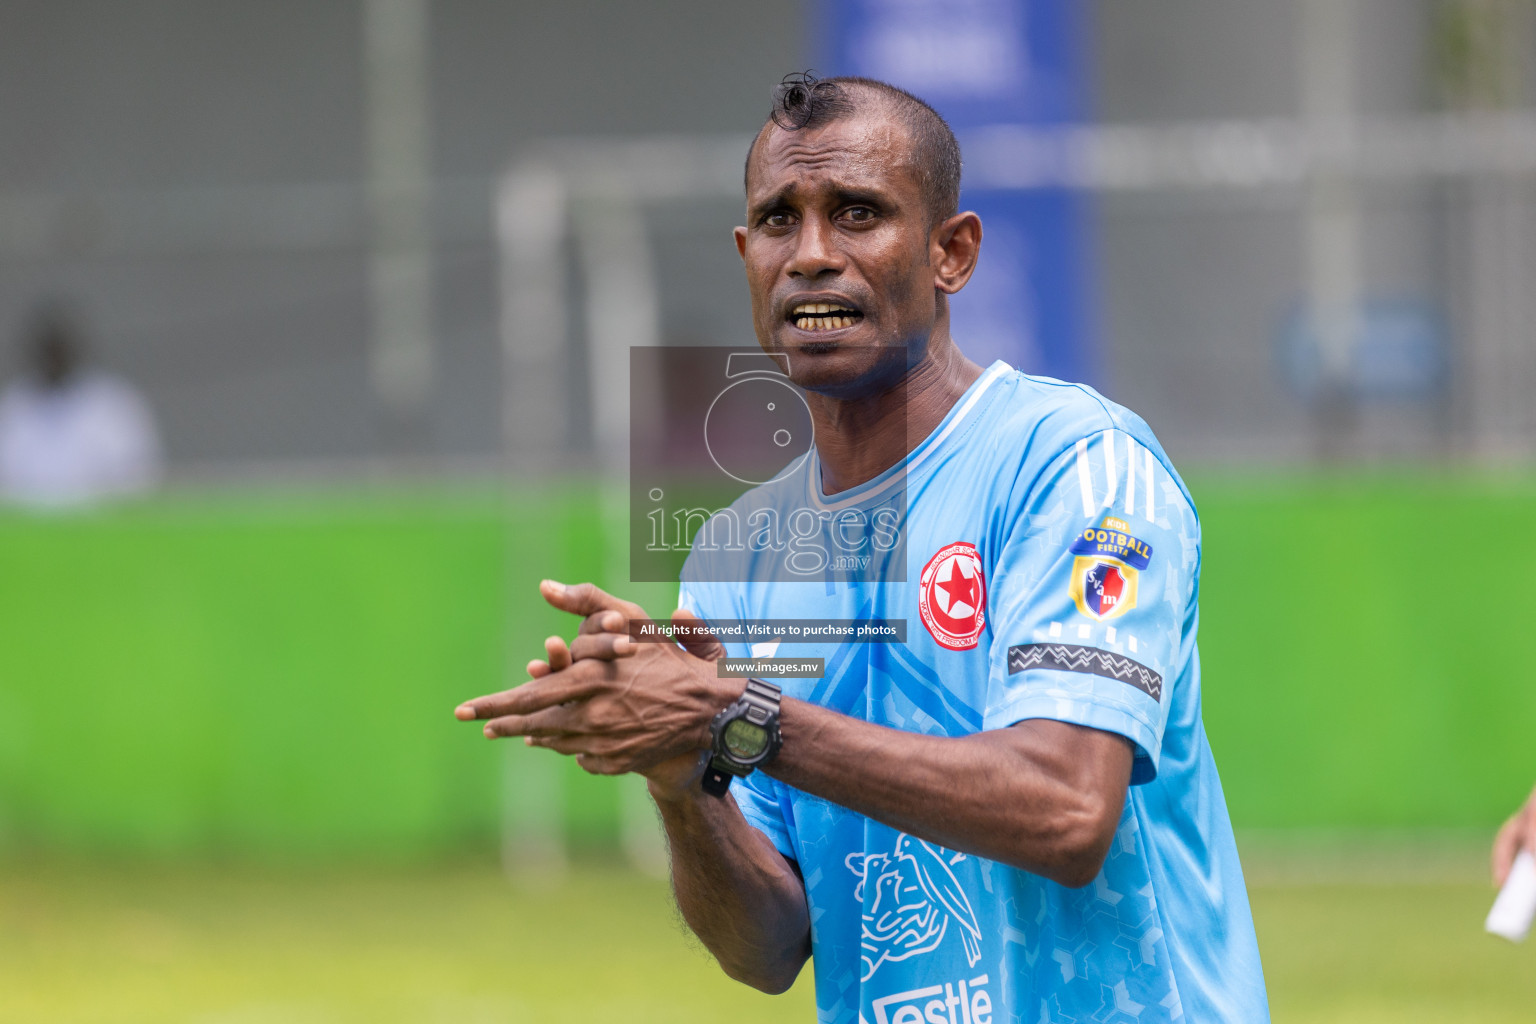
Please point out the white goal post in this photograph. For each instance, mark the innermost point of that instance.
(583, 199)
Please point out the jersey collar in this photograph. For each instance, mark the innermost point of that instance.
(916, 459)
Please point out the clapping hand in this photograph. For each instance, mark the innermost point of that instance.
(614, 704)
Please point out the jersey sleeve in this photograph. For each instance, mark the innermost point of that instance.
(760, 798)
(1094, 595)
(767, 809)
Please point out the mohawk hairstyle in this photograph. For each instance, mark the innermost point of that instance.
(803, 102)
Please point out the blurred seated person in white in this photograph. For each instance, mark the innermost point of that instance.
(70, 434)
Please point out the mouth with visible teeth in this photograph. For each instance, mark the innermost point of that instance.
(823, 316)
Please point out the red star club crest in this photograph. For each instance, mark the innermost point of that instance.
(952, 596)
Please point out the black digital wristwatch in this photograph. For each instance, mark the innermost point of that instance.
(745, 735)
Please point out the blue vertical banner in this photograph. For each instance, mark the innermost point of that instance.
(983, 64)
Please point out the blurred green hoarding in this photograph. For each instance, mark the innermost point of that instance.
(274, 677)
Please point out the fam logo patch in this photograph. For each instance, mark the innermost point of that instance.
(952, 596)
(1107, 569)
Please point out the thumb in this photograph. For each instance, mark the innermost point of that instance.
(1505, 846)
(707, 646)
(586, 599)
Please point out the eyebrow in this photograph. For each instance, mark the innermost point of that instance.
(771, 202)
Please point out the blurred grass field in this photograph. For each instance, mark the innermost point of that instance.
(456, 944)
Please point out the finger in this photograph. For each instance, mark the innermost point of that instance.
(1505, 845)
(595, 764)
(548, 691)
(604, 622)
(559, 655)
(546, 723)
(566, 743)
(602, 646)
(537, 669)
(709, 648)
(586, 599)
(1528, 831)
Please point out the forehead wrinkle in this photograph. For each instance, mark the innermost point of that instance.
(814, 161)
(829, 169)
(799, 147)
(851, 145)
(799, 188)
(801, 158)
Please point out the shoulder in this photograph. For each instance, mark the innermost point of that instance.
(1043, 416)
(15, 395)
(1042, 426)
(104, 389)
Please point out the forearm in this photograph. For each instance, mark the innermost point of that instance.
(737, 893)
(1047, 807)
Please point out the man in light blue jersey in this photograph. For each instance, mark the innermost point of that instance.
(1010, 816)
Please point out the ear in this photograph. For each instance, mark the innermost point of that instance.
(741, 242)
(953, 248)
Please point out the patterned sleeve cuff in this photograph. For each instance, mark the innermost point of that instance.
(1091, 660)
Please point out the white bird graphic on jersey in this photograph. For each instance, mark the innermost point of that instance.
(909, 897)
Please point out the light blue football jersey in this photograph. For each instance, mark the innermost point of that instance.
(1052, 561)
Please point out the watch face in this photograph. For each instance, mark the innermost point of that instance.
(745, 741)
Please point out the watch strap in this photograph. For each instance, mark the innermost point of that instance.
(763, 697)
(715, 781)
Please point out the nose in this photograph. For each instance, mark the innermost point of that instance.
(816, 250)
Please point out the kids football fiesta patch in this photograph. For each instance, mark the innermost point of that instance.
(952, 596)
(1107, 568)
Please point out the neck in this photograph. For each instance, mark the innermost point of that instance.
(857, 439)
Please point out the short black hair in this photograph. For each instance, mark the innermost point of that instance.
(802, 101)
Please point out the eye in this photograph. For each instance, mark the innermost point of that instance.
(778, 219)
(858, 214)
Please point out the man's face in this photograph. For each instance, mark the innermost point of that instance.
(837, 254)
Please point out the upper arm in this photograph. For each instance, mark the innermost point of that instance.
(1088, 761)
(1093, 600)
(1084, 774)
